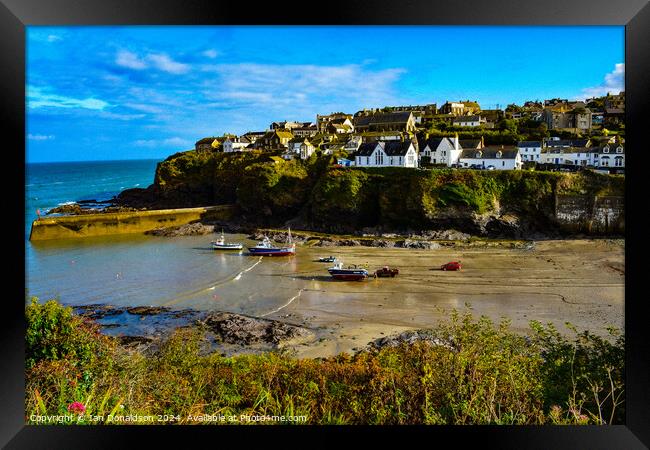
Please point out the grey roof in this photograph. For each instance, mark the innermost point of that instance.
(612, 148)
(391, 148)
(367, 148)
(396, 148)
(490, 153)
(467, 118)
(207, 140)
(469, 143)
(529, 144)
(433, 143)
(392, 117)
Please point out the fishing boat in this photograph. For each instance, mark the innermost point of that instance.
(266, 248)
(327, 259)
(221, 244)
(351, 273)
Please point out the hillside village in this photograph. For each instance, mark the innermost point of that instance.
(555, 134)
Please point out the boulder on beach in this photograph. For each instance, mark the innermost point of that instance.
(418, 244)
(407, 337)
(244, 330)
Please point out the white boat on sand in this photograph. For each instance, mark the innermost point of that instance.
(221, 244)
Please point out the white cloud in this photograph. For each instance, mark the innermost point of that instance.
(40, 137)
(211, 53)
(110, 115)
(169, 142)
(144, 107)
(150, 143)
(176, 142)
(614, 83)
(37, 99)
(54, 38)
(127, 59)
(307, 89)
(166, 64)
(160, 61)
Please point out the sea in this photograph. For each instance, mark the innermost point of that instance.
(137, 269)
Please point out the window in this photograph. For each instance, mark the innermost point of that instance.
(618, 161)
(503, 163)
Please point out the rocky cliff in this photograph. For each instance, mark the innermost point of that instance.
(314, 194)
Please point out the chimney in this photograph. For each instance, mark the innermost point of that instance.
(482, 142)
(456, 141)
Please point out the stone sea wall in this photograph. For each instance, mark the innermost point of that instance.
(79, 226)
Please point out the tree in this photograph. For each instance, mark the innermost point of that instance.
(508, 124)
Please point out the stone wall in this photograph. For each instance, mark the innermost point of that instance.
(593, 215)
(66, 227)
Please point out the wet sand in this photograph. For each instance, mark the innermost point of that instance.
(576, 281)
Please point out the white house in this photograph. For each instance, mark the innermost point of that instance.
(530, 150)
(578, 156)
(233, 145)
(443, 150)
(497, 158)
(306, 149)
(469, 121)
(608, 155)
(387, 154)
(301, 146)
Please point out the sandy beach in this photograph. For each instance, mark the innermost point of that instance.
(576, 281)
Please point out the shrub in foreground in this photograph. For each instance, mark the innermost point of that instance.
(468, 371)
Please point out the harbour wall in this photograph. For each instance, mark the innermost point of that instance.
(591, 214)
(105, 224)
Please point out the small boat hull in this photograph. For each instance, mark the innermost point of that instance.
(272, 251)
(348, 274)
(227, 247)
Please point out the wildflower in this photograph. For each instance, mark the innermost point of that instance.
(76, 407)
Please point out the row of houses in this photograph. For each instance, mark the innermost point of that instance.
(439, 151)
(579, 152)
(446, 151)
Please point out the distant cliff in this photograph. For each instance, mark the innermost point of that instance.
(269, 191)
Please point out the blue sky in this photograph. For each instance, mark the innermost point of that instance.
(102, 93)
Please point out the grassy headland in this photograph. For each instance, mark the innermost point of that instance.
(316, 195)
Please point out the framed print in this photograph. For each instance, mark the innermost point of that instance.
(373, 218)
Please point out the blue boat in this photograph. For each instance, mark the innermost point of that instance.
(351, 273)
(266, 248)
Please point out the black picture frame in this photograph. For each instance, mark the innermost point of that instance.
(15, 15)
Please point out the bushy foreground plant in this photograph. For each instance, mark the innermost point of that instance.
(468, 372)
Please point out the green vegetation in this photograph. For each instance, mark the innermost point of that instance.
(269, 190)
(479, 373)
